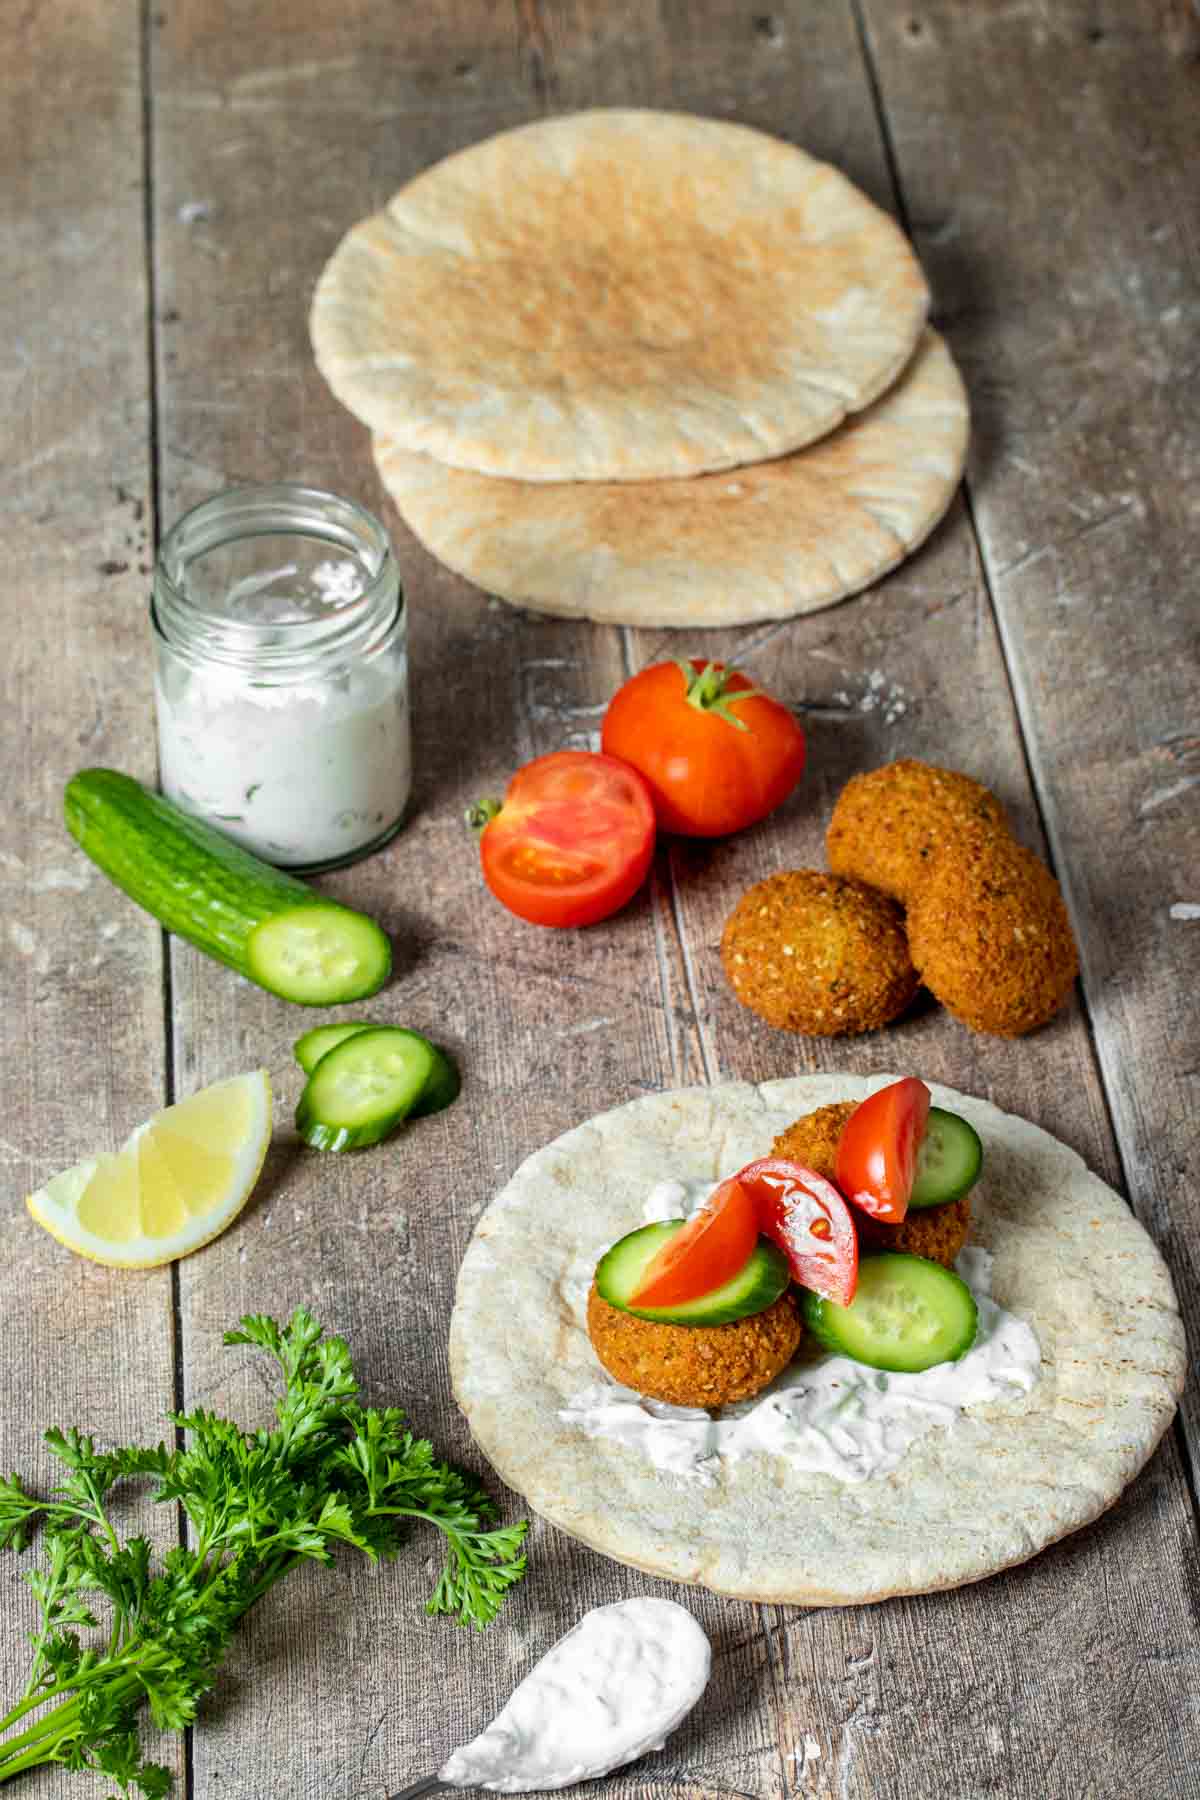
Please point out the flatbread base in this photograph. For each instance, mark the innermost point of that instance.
(1069, 1257)
(763, 542)
(618, 295)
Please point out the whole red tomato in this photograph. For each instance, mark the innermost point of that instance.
(572, 841)
(717, 752)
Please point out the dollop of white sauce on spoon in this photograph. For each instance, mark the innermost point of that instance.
(610, 1690)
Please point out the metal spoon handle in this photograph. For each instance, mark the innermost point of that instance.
(428, 1784)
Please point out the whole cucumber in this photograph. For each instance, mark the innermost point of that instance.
(269, 926)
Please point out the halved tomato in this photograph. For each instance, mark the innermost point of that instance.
(806, 1216)
(877, 1152)
(572, 841)
(709, 1250)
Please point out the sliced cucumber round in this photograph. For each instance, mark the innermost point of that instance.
(314, 952)
(441, 1087)
(309, 1049)
(908, 1314)
(949, 1160)
(757, 1284)
(442, 1084)
(364, 1087)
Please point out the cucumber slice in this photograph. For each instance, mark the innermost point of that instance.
(440, 1089)
(757, 1284)
(267, 925)
(364, 1087)
(908, 1314)
(949, 1160)
(309, 1049)
(314, 954)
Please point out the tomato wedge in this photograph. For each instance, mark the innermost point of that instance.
(709, 1250)
(572, 841)
(877, 1151)
(806, 1216)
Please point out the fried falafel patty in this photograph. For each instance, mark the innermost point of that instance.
(889, 824)
(991, 935)
(935, 1232)
(817, 954)
(694, 1365)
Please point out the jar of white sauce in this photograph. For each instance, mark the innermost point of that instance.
(281, 683)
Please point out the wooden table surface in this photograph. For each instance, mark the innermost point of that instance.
(174, 176)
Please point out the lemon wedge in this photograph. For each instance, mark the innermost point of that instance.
(175, 1184)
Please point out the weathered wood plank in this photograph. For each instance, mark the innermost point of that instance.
(81, 1055)
(339, 109)
(917, 668)
(1081, 342)
(544, 1035)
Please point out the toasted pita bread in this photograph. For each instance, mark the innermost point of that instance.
(1069, 1258)
(618, 295)
(762, 542)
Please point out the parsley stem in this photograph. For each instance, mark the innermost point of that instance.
(100, 1673)
(55, 1725)
(46, 1737)
(27, 1706)
(41, 1741)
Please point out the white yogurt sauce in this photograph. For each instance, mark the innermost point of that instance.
(824, 1414)
(610, 1690)
(299, 773)
(674, 1200)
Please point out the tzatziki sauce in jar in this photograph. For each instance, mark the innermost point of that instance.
(281, 680)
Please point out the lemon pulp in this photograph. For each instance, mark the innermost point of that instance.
(177, 1182)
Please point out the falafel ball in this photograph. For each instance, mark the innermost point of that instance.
(935, 1232)
(812, 1140)
(818, 954)
(990, 933)
(890, 824)
(694, 1365)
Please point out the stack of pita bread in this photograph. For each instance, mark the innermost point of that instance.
(647, 369)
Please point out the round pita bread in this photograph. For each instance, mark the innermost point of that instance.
(762, 542)
(618, 295)
(1068, 1257)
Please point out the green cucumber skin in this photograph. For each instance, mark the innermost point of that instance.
(309, 1049)
(441, 1089)
(966, 1142)
(319, 1136)
(194, 881)
(757, 1284)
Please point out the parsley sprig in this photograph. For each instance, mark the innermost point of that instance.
(328, 1472)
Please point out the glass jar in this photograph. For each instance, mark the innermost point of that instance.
(281, 683)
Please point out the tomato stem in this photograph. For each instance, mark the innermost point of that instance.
(709, 690)
(482, 813)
